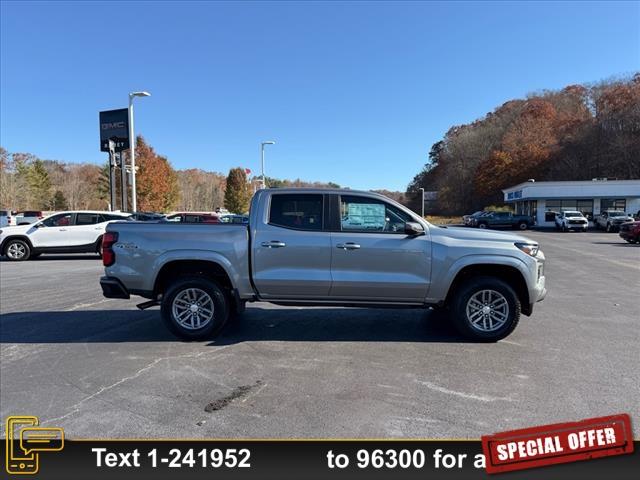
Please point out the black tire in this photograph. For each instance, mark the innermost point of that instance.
(17, 250)
(220, 312)
(609, 229)
(482, 225)
(523, 225)
(564, 228)
(99, 247)
(473, 286)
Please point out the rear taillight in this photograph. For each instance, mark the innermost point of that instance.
(108, 255)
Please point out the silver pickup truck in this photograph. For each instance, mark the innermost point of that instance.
(308, 247)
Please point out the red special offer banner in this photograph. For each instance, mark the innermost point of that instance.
(559, 443)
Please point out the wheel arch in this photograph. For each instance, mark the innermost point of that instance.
(209, 269)
(16, 237)
(509, 273)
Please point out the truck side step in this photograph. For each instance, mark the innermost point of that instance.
(149, 304)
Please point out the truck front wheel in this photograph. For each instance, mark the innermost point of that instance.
(195, 308)
(485, 309)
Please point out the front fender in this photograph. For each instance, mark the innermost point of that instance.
(440, 286)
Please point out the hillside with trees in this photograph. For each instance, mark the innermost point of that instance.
(577, 133)
(30, 183)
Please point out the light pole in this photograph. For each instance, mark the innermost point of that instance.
(422, 205)
(132, 148)
(264, 183)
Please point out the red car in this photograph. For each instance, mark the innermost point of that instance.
(630, 231)
(193, 217)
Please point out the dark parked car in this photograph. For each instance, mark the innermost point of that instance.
(473, 221)
(630, 231)
(468, 219)
(147, 216)
(610, 220)
(504, 219)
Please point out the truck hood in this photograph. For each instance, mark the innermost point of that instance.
(473, 234)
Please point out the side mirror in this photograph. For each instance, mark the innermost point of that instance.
(39, 225)
(413, 228)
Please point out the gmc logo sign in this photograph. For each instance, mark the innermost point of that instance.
(112, 125)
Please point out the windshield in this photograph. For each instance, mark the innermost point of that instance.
(573, 214)
(617, 214)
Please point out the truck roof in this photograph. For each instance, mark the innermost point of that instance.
(337, 191)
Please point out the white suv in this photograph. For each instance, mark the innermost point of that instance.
(571, 220)
(65, 232)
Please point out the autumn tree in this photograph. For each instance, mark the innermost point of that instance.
(157, 182)
(237, 194)
(577, 133)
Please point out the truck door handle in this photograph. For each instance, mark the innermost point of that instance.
(62, 229)
(274, 244)
(348, 246)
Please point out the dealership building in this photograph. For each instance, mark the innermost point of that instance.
(542, 200)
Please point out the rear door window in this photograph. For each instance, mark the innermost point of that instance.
(87, 218)
(296, 211)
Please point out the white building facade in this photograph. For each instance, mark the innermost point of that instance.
(542, 200)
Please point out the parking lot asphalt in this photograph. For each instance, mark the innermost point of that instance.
(102, 369)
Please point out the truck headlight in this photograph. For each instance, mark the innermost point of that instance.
(528, 248)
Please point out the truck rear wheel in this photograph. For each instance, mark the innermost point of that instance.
(485, 309)
(523, 225)
(195, 308)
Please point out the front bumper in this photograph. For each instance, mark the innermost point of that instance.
(113, 288)
(629, 235)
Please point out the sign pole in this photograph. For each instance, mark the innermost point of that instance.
(132, 156)
(123, 182)
(112, 174)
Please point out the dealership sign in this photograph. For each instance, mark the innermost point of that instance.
(114, 125)
(514, 195)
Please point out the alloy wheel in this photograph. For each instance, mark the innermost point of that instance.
(16, 251)
(192, 308)
(487, 310)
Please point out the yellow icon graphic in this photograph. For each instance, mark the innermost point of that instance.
(25, 441)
